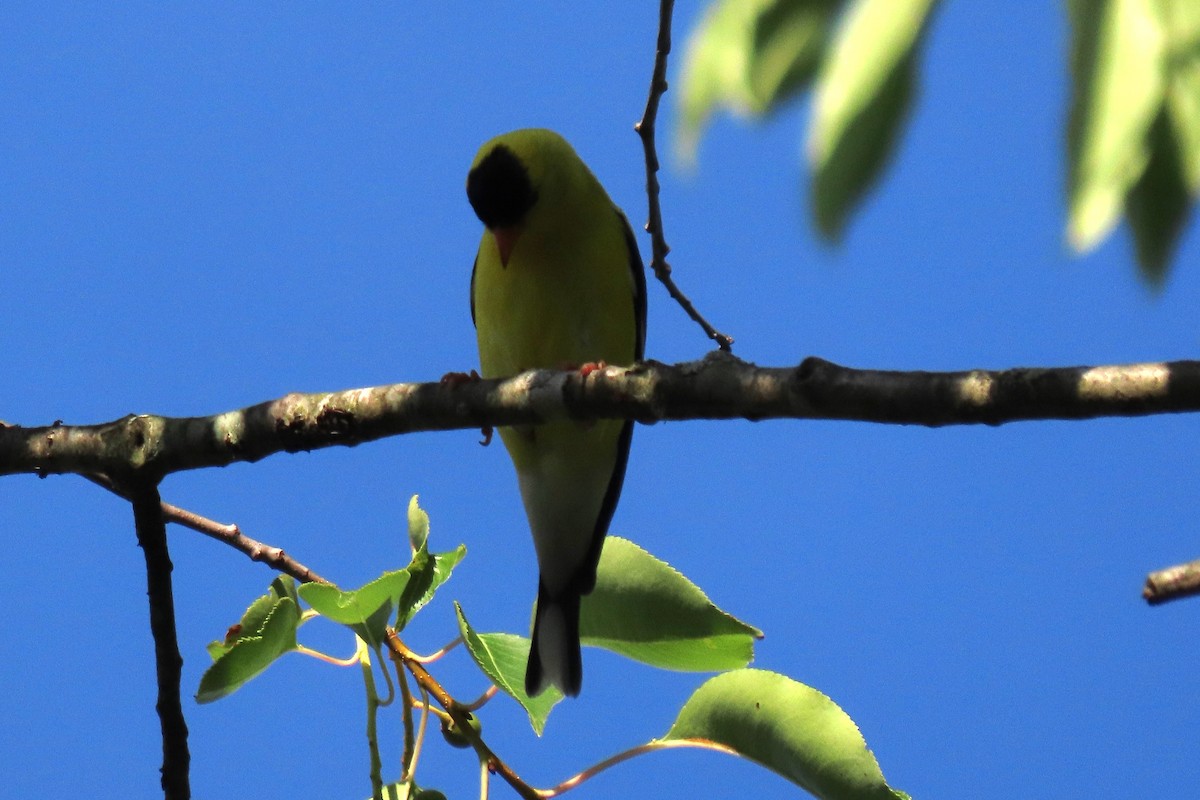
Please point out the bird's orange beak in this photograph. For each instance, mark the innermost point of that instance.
(506, 240)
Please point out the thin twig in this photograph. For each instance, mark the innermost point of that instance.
(348, 661)
(421, 727)
(483, 699)
(436, 654)
(625, 755)
(227, 533)
(410, 736)
(654, 223)
(152, 538)
(1172, 583)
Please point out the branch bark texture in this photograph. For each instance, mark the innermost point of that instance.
(152, 538)
(720, 386)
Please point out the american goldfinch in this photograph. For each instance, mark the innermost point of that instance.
(558, 283)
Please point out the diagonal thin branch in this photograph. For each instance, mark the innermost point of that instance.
(654, 224)
(226, 533)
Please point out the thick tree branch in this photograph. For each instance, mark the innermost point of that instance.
(152, 538)
(719, 387)
(1172, 583)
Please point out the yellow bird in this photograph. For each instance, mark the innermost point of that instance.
(558, 283)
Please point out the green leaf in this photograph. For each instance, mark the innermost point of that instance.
(1157, 206)
(248, 655)
(418, 525)
(787, 41)
(716, 68)
(1117, 52)
(366, 610)
(863, 96)
(430, 573)
(1181, 23)
(502, 658)
(749, 56)
(255, 617)
(645, 609)
(404, 790)
(787, 727)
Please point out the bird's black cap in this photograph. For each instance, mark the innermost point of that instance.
(499, 189)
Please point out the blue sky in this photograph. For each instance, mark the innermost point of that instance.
(206, 209)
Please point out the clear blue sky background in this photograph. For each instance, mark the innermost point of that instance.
(204, 209)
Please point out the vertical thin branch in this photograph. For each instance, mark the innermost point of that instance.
(410, 737)
(152, 538)
(654, 224)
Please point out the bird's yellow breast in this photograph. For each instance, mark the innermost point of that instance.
(565, 298)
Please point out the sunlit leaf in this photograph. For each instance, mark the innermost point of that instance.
(248, 654)
(418, 525)
(367, 610)
(433, 570)
(644, 609)
(863, 96)
(1117, 49)
(715, 70)
(749, 57)
(787, 727)
(502, 658)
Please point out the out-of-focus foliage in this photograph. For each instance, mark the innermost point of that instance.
(1133, 133)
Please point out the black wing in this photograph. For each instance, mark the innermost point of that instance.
(585, 580)
(474, 269)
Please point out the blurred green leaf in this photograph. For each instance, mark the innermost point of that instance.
(787, 727)
(1117, 51)
(749, 57)
(787, 41)
(267, 631)
(863, 95)
(1181, 23)
(645, 609)
(1157, 206)
(502, 658)
(1159, 203)
(715, 69)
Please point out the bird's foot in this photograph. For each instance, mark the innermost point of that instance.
(590, 367)
(459, 378)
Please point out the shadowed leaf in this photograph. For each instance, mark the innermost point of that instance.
(1116, 63)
